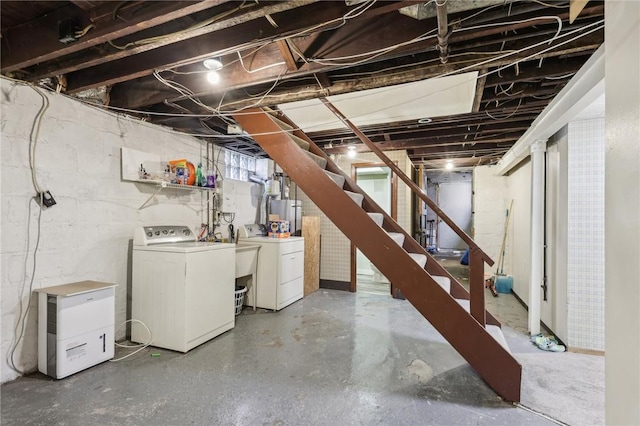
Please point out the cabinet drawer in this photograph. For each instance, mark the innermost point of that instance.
(291, 246)
(291, 266)
(290, 292)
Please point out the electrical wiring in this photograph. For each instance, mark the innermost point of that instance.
(23, 313)
(560, 77)
(194, 27)
(373, 53)
(515, 63)
(21, 323)
(186, 92)
(35, 133)
(508, 116)
(522, 21)
(376, 53)
(81, 33)
(354, 13)
(277, 64)
(550, 5)
(488, 61)
(140, 347)
(275, 83)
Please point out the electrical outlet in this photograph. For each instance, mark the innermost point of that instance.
(46, 199)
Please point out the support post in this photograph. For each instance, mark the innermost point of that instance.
(536, 276)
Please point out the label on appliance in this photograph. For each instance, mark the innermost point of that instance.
(76, 351)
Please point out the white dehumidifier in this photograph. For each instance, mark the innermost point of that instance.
(75, 327)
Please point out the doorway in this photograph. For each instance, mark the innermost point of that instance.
(380, 184)
(452, 191)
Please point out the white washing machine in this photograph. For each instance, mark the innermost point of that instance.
(182, 289)
(280, 273)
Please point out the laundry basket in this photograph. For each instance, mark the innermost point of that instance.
(240, 292)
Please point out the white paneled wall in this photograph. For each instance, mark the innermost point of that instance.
(519, 234)
(585, 271)
(86, 236)
(490, 203)
(335, 257)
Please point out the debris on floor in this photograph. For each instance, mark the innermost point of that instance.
(547, 343)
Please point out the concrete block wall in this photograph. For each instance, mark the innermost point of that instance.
(86, 236)
(335, 248)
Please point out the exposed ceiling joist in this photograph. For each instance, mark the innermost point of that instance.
(20, 51)
(303, 49)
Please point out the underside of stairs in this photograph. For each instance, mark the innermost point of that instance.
(442, 300)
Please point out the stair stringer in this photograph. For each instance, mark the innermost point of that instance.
(472, 341)
(433, 267)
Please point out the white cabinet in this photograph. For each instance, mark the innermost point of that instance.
(280, 272)
(75, 327)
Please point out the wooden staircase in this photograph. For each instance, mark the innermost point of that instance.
(459, 316)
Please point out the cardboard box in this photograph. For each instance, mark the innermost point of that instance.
(279, 228)
(279, 234)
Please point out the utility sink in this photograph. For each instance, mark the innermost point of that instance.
(246, 258)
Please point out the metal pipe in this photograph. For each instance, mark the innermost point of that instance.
(443, 31)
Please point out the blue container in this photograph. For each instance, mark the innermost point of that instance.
(504, 283)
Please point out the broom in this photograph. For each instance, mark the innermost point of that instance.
(500, 264)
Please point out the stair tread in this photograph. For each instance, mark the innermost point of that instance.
(339, 180)
(378, 218)
(355, 196)
(300, 142)
(317, 159)
(397, 237)
(280, 123)
(420, 259)
(493, 330)
(443, 282)
(496, 333)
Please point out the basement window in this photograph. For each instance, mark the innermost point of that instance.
(238, 166)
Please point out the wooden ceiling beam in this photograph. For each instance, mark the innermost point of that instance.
(470, 149)
(591, 43)
(458, 131)
(472, 120)
(531, 72)
(480, 82)
(20, 51)
(85, 5)
(235, 77)
(106, 53)
(244, 36)
(418, 143)
(287, 55)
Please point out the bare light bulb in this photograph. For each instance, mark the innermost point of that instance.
(449, 165)
(213, 77)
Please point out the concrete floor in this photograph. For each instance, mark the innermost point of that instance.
(333, 358)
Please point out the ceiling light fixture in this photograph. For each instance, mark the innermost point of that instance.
(449, 165)
(213, 64)
(424, 120)
(351, 153)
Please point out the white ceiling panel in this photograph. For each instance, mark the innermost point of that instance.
(411, 101)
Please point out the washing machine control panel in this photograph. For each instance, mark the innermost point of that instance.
(148, 235)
